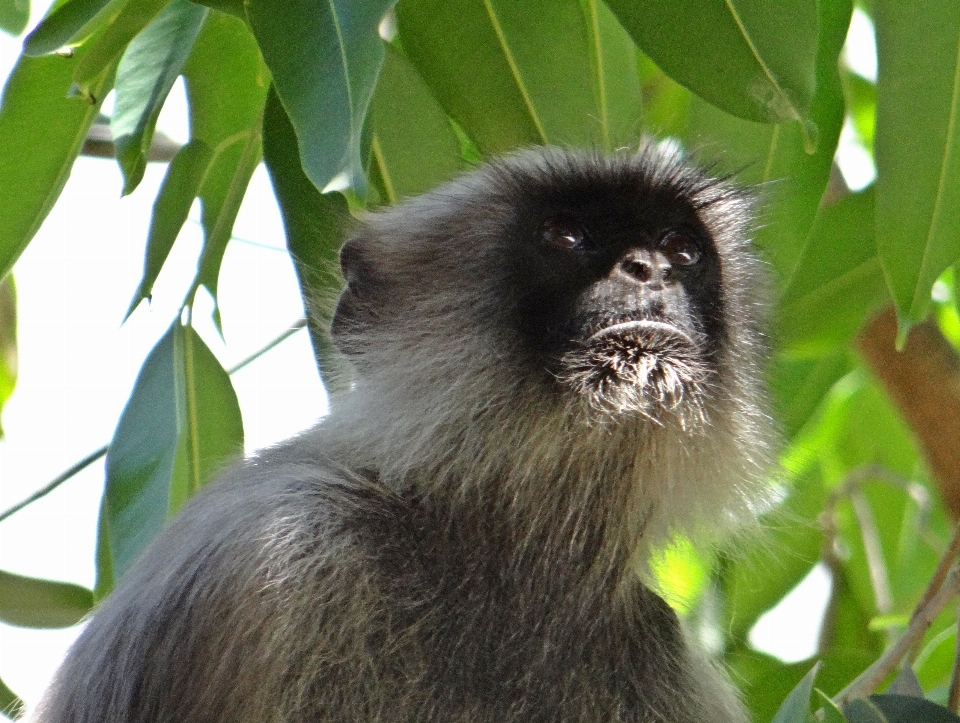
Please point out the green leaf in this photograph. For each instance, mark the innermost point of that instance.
(838, 280)
(104, 555)
(918, 182)
(796, 708)
(831, 713)
(316, 225)
(888, 708)
(414, 146)
(14, 15)
(66, 22)
(146, 73)
(33, 603)
(8, 340)
(234, 7)
(226, 83)
(11, 704)
(754, 59)
(682, 574)
(793, 179)
(120, 30)
(616, 80)
(861, 96)
(665, 102)
(41, 133)
(221, 195)
(324, 57)
(542, 71)
(170, 210)
(800, 385)
(181, 423)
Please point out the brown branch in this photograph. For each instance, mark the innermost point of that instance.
(868, 681)
(953, 698)
(923, 380)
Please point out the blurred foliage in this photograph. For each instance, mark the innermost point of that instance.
(389, 100)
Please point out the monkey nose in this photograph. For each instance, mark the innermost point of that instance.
(645, 267)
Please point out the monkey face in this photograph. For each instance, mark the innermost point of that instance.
(621, 290)
(605, 279)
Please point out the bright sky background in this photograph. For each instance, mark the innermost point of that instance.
(78, 364)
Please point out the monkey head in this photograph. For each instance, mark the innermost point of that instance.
(616, 286)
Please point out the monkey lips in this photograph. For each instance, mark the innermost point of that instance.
(642, 366)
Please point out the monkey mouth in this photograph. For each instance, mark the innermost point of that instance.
(640, 365)
(634, 328)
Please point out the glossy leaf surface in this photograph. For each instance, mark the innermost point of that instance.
(180, 187)
(181, 423)
(226, 83)
(14, 15)
(515, 74)
(324, 57)
(64, 23)
(754, 59)
(107, 47)
(917, 147)
(838, 279)
(888, 708)
(36, 113)
(792, 181)
(35, 603)
(414, 147)
(796, 708)
(145, 76)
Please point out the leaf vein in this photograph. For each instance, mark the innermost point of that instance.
(756, 54)
(495, 22)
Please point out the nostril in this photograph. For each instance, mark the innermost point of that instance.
(640, 270)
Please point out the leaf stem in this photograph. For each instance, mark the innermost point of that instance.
(56, 482)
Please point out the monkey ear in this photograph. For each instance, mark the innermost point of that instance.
(356, 308)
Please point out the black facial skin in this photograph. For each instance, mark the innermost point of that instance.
(598, 254)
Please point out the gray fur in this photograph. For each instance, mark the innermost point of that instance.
(459, 540)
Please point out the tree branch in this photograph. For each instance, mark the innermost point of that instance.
(923, 380)
(868, 681)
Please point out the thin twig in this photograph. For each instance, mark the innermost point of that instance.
(873, 549)
(94, 456)
(872, 677)
(850, 488)
(294, 328)
(936, 582)
(953, 699)
(943, 568)
(56, 482)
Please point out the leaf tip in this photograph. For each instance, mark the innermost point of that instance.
(811, 136)
(82, 91)
(904, 325)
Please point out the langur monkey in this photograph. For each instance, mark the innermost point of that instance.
(557, 365)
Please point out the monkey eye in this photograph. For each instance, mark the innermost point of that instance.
(679, 249)
(563, 233)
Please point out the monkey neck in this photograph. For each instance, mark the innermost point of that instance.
(542, 495)
(550, 553)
